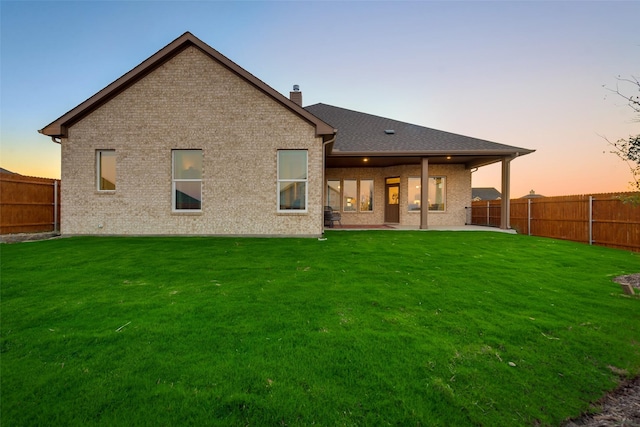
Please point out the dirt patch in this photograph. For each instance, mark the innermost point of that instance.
(630, 279)
(621, 407)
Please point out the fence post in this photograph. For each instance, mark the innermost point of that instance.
(488, 218)
(591, 220)
(529, 216)
(55, 206)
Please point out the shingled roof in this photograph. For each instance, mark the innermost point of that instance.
(485, 193)
(361, 134)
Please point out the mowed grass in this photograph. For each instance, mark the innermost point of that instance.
(365, 328)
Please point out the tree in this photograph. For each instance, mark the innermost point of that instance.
(628, 149)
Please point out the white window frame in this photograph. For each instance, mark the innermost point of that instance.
(281, 181)
(174, 180)
(99, 171)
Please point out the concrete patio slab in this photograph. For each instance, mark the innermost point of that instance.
(395, 227)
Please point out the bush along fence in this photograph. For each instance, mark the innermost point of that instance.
(29, 204)
(596, 219)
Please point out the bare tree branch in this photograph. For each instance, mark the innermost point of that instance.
(632, 101)
(629, 149)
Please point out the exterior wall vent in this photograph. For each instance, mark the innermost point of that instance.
(390, 131)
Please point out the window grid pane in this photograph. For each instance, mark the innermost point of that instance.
(293, 195)
(437, 193)
(188, 195)
(350, 195)
(187, 164)
(333, 194)
(415, 194)
(366, 195)
(292, 164)
(106, 170)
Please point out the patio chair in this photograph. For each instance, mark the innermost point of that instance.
(331, 216)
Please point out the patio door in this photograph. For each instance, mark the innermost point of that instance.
(392, 200)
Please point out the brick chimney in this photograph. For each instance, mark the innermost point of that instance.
(296, 95)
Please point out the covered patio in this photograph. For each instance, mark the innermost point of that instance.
(384, 171)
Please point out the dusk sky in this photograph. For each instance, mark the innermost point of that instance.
(528, 74)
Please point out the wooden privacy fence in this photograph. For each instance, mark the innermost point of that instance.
(29, 204)
(600, 219)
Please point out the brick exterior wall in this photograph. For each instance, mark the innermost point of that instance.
(190, 102)
(458, 193)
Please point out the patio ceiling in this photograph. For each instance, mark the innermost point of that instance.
(377, 161)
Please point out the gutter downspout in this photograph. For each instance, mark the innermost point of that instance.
(324, 161)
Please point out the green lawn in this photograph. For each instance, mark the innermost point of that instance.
(366, 328)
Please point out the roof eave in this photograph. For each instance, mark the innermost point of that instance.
(505, 153)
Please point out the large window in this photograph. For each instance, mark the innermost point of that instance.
(333, 194)
(366, 195)
(437, 194)
(357, 195)
(350, 195)
(292, 180)
(187, 180)
(106, 170)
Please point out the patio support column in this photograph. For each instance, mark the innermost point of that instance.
(424, 194)
(505, 205)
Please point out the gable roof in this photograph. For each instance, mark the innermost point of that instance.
(58, 128)
(361, 134)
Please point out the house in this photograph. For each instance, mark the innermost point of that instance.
(532, 195)
(485, 193)
(190, 143)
